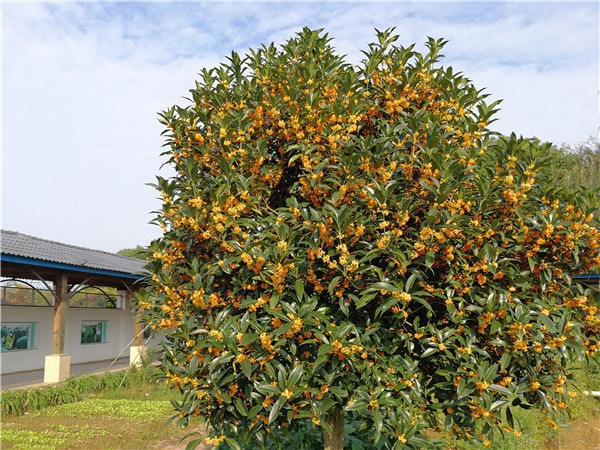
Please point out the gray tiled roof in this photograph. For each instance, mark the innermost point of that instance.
(18, 244)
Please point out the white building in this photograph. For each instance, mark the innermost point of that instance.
(56, 327)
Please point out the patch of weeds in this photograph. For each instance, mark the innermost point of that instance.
(586, 378)
(150, 391)
(121, 408)
(20, 401)
(116, 424)
(61, 436)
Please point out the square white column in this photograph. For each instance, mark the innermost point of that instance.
(57, 368)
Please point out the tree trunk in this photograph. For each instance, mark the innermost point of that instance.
(335, 439)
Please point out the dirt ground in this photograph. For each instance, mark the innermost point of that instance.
(174, 444)
(581, 435)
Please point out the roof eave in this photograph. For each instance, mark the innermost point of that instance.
(68, 267)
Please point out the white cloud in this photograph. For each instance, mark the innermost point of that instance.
(83, 83)
(544, 101)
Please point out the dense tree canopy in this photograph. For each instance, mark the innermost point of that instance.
(138, 252)
(352, 241)
(574, 166)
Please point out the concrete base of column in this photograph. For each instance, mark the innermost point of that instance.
(137, 353)
(57, 368)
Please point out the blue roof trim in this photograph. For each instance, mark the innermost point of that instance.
(589, 276)
(54, 265)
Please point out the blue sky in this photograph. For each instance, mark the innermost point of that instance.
(82, 84)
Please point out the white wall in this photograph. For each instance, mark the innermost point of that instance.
(119, 333)
(20, 360)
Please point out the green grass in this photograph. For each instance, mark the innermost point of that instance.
(587, 379)
(538, 435)
(532, 424)
(134, 417)
(21, 401)
(61, 436)
(94, 408)
(92, 423)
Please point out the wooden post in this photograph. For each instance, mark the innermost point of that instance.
(139, 324)
(61, 306)
(58, 365)
(137, 352)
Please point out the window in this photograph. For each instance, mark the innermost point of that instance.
(18, 336)
(148, 332)
(93, 331)
(18, 293)
(94, 297)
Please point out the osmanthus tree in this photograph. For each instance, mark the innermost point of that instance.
(349, 242)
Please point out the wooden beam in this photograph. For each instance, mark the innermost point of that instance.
(61, 306)
(139, 326)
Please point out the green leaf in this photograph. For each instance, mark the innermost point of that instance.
(410, 281)
(356, 405)
(249, 339)
(192, 445)
(280, 376)
(509, 418)
(505, 360)
(332, 284)
(386, 306)
(274, 300)
(500, 389)
(491, 372)
(294, 376)
(325, 349)
(577, 346)
(545, 400)
(423, 302)
(223, 359)
(193, 366)
(337, 195)
(339, 392)
(365, 299)
(344, 307)
(246, 368)
(320, 361)
(268, 389)
(294, 158)
(463, 389)
(232, 443)
(498, 403)
(299, 289)
(276, 408)
(254, 411)
(429, 258)
(430, 351)
(448, 422)
(380, 286)
(378, 422)
(239, 405)
(494, 327)
(270, 370)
